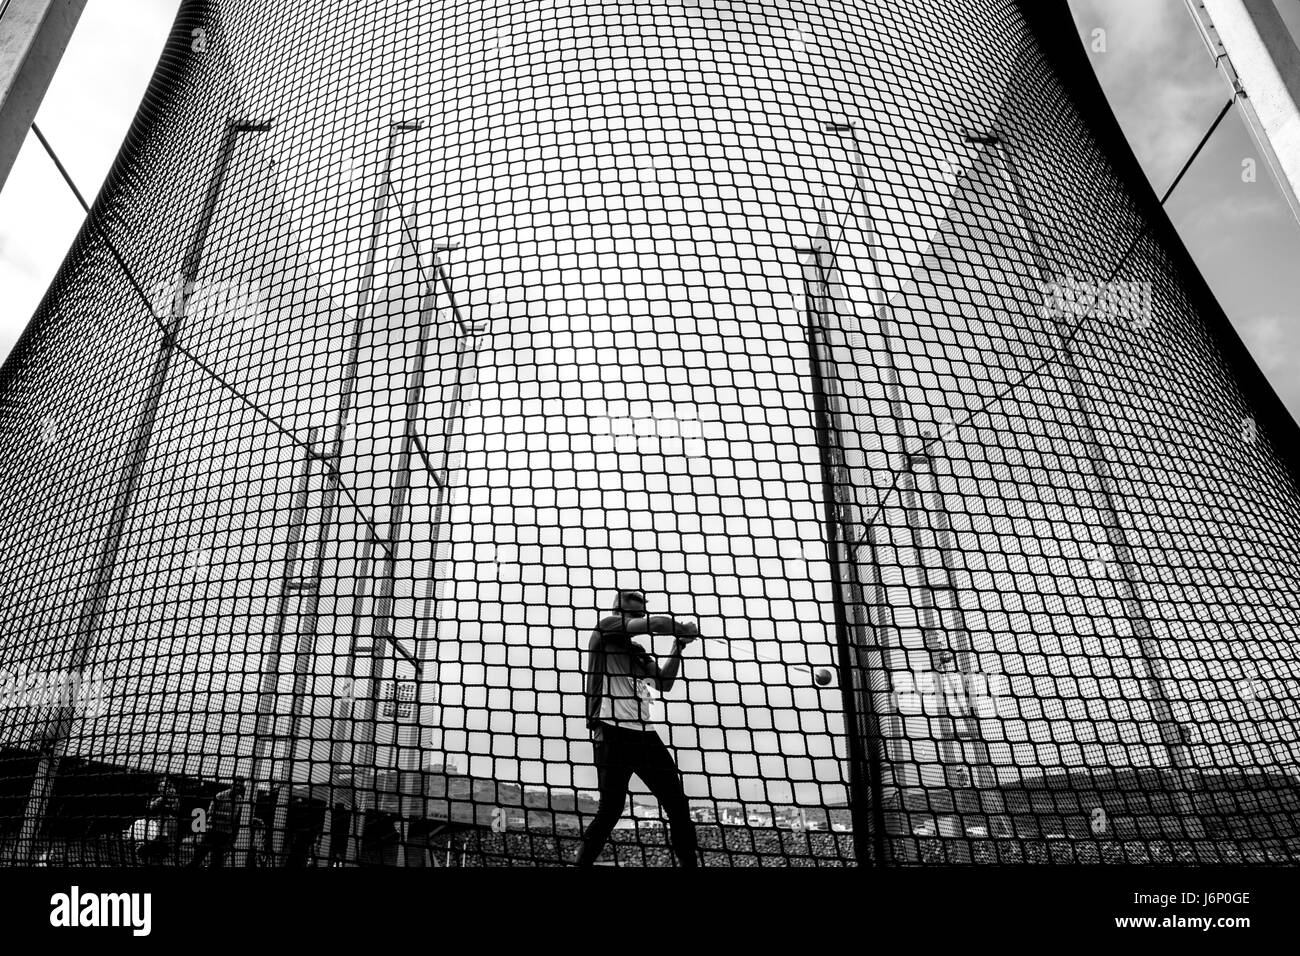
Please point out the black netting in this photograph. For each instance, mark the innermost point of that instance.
(404, 335)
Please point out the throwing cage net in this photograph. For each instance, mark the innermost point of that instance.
(403, 335)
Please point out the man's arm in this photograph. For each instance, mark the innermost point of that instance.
(664, 677)
(659, 624)
(595, 678)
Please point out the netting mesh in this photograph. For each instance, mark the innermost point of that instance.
(403, 335)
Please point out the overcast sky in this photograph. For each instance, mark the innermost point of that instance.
(1155, 69)
(1166, 92)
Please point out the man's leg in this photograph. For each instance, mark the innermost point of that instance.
(658, 771)
(219, 852)
(614, 772)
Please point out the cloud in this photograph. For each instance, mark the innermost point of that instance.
(1158, 76)
(1226, 217)
(1165, 91)
(14, 256)
(1274, 341)
(1271, 340)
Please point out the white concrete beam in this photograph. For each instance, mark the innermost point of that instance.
(1266, 61)
(33, 36)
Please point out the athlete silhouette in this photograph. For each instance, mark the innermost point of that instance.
(618, 672)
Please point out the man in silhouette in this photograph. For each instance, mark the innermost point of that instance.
(222, 826)
(163, 816)
(619, 675)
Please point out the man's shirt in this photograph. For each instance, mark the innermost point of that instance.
(624, 695)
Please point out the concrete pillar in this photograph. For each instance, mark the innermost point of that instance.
(33, 36)
(1266, 61)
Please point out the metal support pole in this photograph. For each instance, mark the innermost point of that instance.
(305, 646)
(861, 723)
(880, 626)
(56, 739)
(383, 613)
(948, 642)
(385, 604)
(961, 726)
(299, 521)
